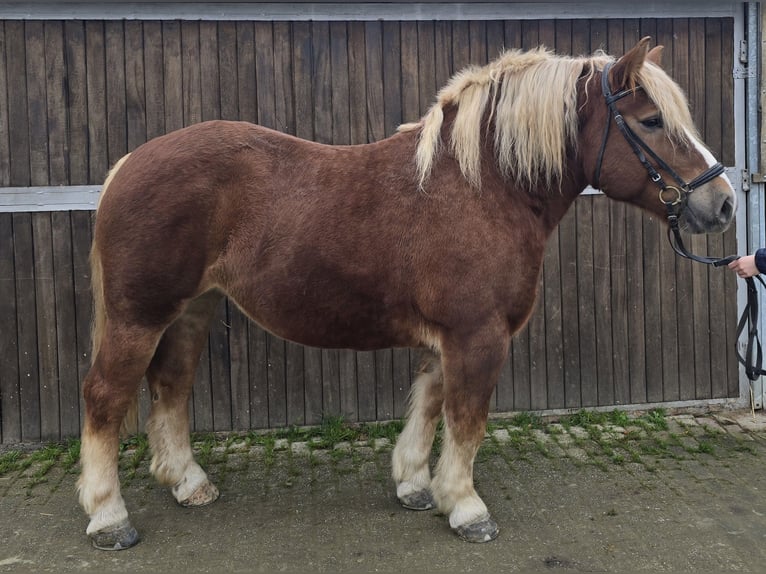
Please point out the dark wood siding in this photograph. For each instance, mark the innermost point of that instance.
(620, 319)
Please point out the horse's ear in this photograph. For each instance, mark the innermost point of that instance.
(625, 70)
(655, 55)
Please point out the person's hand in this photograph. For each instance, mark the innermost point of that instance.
(744, 266)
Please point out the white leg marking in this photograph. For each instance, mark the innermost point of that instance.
(172, 459)
(453, 483)
(99, 485)
(410, 456)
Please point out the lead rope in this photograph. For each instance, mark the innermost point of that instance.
(753, 358)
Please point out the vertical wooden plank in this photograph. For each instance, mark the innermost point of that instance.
(604, 292)
(26, 327)
(237, 386)
(5, 144)
(698, 244)
(304, 127)
(10, 391)
(18, 118)
(554, 351)
(392, 77)
(55, 92)
(246, 71)
(667, 266)
(41, 303)
(410, 72)
(653, 300)
(95, 56)
(258, 354)
(173, 76)
(285, 121)
(220, 374)
(678, 60)
(570, 269)
(442, 55)
(210, 87)
(116, 113)
(202, 402)
(537, 328)
(377, 403)
(61, 311)
(135, 90)
(76, 102)
(283, 78)
(618, 390)
(461, 45)
(426, 66)
(227, 66)
(369, 405)
(34, 36)
(154, 81)
(715, 242)
(133, 128)
(83, 301)
(635, 270)
(66, 324)
(376, 367)
(266, 113)
(190, 72)
(519, 357)
(322, 82)
(341, 134)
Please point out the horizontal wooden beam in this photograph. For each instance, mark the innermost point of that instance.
(356, 11)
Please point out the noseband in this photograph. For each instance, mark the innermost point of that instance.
(674, 198)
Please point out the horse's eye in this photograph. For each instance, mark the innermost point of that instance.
(655, 122)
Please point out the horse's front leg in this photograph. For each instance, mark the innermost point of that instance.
(471, 367)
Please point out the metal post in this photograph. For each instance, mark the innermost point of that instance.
(756, 226)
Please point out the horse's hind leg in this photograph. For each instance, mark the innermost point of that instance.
(171, 376)
(109, 389)
(410, 457)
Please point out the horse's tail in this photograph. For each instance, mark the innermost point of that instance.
(99, 308)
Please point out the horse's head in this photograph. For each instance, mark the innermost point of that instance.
(644, 149)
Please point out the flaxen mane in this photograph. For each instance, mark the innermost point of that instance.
(532, 99)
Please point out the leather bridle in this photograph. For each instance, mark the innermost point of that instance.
(674, 198)
(670, 195)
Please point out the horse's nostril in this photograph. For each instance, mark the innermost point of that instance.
(727, 210)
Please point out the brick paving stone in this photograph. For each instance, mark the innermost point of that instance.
(300, 448)
(501, 435)
(579, 432)
(577, 454)
(710, 424)
(381, 443)
(541, 436)
(281, 444)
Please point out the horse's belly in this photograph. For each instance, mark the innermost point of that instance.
(327, 316)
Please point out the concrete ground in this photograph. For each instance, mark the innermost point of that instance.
(590, 493)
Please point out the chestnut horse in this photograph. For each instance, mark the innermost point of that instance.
(432, 238)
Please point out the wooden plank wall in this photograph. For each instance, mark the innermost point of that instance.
(619, 320)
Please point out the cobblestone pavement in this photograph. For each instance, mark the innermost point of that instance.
(589, 492)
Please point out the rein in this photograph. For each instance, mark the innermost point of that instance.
(674, 198)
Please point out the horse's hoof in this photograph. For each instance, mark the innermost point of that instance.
(484, 530)
(205, 494)
(420, 500)
(121, 537)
